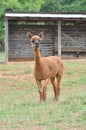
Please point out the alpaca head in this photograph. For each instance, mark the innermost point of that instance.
(35, 39)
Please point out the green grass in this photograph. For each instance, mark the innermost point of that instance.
(2, 56)
(19, 99)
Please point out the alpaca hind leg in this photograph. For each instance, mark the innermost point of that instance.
(54, 87)
(44, 88)
(40, 89)
(59, 77)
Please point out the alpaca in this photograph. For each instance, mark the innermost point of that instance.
(46, 68)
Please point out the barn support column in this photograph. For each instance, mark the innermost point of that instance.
(59, 39)
(6, 40)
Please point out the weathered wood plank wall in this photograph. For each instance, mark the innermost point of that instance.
(78, 33)
(18, 39)
(73, 39)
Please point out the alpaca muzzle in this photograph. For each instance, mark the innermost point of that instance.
(37, 45)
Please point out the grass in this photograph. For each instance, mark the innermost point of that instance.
(19, 99)
(2, 56)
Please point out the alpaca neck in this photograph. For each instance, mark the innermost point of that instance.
(37, 56)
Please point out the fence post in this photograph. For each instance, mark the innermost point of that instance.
(59, 39)
(6, 40)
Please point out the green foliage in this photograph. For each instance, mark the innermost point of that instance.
(79, 6)
(49, 6)
(64, 6)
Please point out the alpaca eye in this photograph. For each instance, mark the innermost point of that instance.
(33, 41)
(39, 40)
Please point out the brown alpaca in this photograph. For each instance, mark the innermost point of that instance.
(45, 68)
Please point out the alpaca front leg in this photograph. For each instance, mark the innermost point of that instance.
(40, 89)
(45, 84)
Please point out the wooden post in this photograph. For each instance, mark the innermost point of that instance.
(6, 40)
(59, 39)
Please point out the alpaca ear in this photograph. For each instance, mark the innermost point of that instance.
(29, 35)
(41, 35)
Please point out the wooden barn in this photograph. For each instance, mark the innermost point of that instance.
(65, 34)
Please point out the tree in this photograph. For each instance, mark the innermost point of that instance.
(64, 6)
(50, 6)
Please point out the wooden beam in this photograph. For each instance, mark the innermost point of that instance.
(72, 49)
(59, 39)
(6, 40)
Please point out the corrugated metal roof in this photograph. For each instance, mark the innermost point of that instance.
(44, 15)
